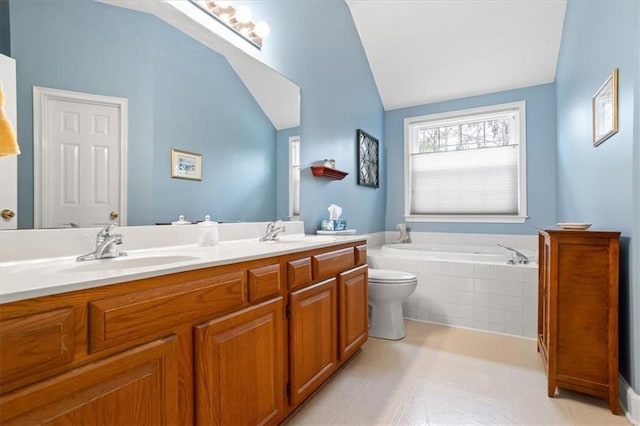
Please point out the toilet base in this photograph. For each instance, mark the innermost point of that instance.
(386, 321)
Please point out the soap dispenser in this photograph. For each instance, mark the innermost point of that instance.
(207, 232)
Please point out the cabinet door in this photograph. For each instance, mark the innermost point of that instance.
(138, 386)
(354, 321)
(312, 338)
(239, 369)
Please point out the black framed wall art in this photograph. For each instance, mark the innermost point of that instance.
(368, 159)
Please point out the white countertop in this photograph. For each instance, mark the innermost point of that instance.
(25, 279)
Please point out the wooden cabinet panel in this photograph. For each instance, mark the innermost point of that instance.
(354, 313)
(35, 343)
(264, 282)
(299, 273)
(312, 338)
(240, 367)
(332, 263)
(120, 319)
(361, 254)
(578, 311)
(134, 387)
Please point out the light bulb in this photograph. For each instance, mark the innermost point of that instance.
(225, 17)
(222, 4)
(262, 29)
(243, 14)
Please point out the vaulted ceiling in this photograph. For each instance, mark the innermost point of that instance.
(425, 51)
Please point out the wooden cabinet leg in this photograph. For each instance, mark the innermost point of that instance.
(614, 403)
(551, 389)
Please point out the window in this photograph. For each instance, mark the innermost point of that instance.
(294, 177)
(466, 166)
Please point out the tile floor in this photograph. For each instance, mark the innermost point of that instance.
(445, 375)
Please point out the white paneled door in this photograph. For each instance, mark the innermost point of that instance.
(8, 165)
(82, 144)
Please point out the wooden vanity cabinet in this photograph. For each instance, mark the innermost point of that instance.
(578, 311)
(239, 367)
(219, 345)
(136, 387)
(328, 316)
(313, 332)
(354, 310)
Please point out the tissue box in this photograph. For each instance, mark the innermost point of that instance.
(333, 225)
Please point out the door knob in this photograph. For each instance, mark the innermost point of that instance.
(113, 215)
(7, 214)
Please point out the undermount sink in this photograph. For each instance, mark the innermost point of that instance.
(126, 262)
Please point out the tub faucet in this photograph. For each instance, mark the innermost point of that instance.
(272, 231)
(106, 245)
(403, 238)
(522, 259)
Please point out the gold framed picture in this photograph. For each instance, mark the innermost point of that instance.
(605, 110)
(186, 165)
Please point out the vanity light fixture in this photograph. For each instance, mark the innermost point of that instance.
(238, 19)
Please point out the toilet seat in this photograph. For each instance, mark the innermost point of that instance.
(387, 276)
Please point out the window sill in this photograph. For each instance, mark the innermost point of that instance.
(467, 218)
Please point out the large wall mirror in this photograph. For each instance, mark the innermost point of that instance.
(180, 94)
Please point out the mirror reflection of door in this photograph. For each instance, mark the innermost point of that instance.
(80, 142)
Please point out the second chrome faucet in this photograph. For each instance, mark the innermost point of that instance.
(272, 231)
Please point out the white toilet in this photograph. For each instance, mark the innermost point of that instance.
(387, 290)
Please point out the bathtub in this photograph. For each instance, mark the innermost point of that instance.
(448, 253)
(467, 285)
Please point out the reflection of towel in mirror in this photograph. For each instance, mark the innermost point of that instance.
(8, 138)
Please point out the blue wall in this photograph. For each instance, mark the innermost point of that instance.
(541, 126)
(181, 95)
(596, 184)
(315, 44)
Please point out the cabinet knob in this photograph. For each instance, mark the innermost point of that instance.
(113, 215)
(7, 214)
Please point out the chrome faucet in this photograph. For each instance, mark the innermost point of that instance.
(404, 236)
(106, 245)
(272, 231)
(522, 259)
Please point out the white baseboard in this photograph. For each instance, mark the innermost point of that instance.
(629, 401)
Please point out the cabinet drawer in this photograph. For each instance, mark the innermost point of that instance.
(361, 254)
(331, 263)
(35, 343)
(299, 272)
(117, 320)
(264, 282)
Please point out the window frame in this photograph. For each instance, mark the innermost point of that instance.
(411, 122)
(293, 214)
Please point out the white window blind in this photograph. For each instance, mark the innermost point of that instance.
(466, 164)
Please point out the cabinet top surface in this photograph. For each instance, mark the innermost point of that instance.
(22, 280)
(579, 232)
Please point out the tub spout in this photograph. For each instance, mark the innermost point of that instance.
(522, 259)
(403, 238)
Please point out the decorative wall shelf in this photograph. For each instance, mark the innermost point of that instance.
(328, 173)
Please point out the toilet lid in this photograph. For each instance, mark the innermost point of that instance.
(390, 276)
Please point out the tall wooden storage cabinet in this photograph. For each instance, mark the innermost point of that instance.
(578, 311)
